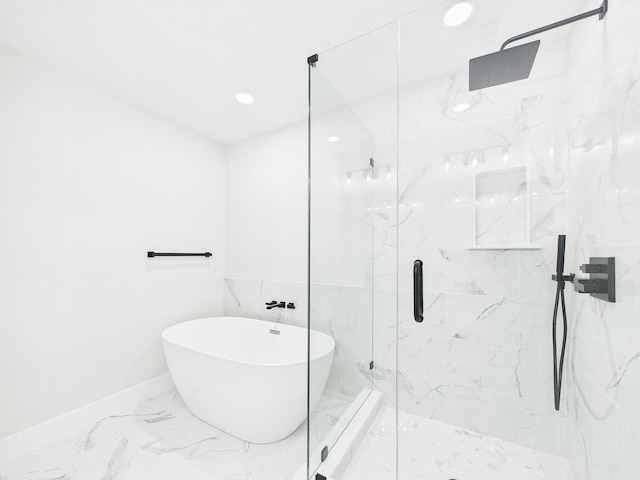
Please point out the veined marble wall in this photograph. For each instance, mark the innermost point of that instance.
(482, 357)
(603, 219)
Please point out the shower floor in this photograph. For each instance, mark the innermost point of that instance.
(432, 450)
(159, 439)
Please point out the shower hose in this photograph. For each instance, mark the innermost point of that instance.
(560, 278)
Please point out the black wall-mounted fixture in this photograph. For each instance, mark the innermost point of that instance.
(560, 278)
(512, 64)
(275, 304)
(601, 283)
(418, 315)
(154, 254)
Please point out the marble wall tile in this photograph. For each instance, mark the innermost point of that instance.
(490, 413)
(247, 298)
(542, 427)
(429, 361)
(486, 318)
(627, 378)
(631, 453)
(536, 324)
(448, 270)
(535, 272)
(599, 425)
(602, 351)
(496, 272)
(501, 369)
(535, 374)
(346, 314)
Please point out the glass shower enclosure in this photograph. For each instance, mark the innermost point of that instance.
(340, 289)
(407, 163)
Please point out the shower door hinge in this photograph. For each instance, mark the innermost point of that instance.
(324, 454)
(371, 365)
(371, 162)
(312, 59)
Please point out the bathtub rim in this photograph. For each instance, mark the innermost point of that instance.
(185, 324)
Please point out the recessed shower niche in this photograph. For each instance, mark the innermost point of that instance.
(501, 199)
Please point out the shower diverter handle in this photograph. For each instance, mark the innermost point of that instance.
(418, 315)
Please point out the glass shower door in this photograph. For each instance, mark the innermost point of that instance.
(340, 263)
(481, 203)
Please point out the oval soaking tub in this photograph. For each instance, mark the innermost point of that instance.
(247, 377)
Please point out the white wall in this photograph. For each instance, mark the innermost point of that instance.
(267, 206)
(88, 184)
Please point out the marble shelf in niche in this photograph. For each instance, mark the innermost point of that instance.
(506, 247)
(502, 212)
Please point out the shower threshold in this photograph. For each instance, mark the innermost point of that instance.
(429, 450)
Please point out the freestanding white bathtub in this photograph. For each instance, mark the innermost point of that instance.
(247, 377)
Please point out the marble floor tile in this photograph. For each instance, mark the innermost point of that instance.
(160, 439)
(431, 450)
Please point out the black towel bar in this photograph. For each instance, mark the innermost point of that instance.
(154, 254)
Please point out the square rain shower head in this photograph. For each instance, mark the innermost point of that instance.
(504, 66)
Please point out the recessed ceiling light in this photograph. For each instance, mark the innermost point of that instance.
(244, 98)
(461, 107)
(332, 139)
(458, 14)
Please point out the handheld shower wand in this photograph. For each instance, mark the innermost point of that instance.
(560, 278)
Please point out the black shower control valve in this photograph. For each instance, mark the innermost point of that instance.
(593, 268)
(601, 283)
(291, 305)
(587, 285)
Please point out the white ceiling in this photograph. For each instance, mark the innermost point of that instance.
(186, 59)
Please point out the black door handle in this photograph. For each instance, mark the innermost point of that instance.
(417, 291)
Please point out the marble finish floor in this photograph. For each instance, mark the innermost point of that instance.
(431, 450)
(160, 439)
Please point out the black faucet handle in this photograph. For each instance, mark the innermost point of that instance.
(593, 268)
(271, 303)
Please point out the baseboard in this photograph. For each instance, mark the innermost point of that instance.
(29, 440)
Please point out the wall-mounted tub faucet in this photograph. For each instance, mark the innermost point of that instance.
(275, 304)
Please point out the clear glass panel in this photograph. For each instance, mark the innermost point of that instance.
(354, 89)
(486, 182)
(483, 205)
(488, 179)
(340, 251)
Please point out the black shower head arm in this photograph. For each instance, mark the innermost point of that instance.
(602, 11)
